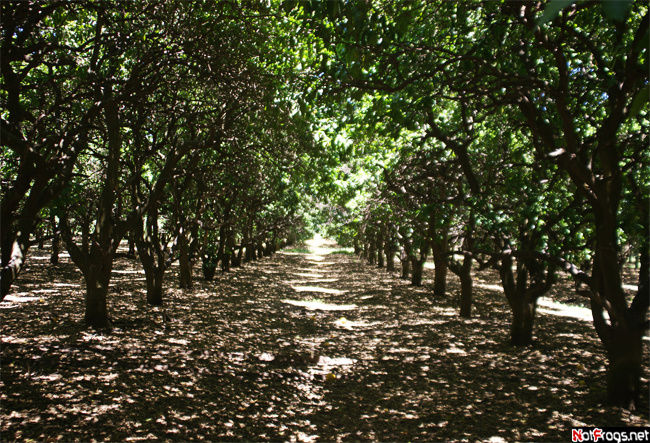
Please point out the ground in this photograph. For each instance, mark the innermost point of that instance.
(299, 346)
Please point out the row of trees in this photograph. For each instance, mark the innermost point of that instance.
(529, 155)
(168, 123)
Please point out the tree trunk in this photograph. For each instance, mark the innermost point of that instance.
(439, 249)
(209, 265)
(155, 287)
(225, 260)
(622, 335)
(624, 355)
(466, 287)
(97, 278)
(522, 306)
(390, 256)
(41, 238)
(56, 241)
(268, 247)
(185, 265)
(372, 252)
(14, 264)
(237, 258)
(523, 317)
(131, 244)
(416, 275)
(406, 264)
(250, 249)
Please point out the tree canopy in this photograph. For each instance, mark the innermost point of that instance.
(510, 135)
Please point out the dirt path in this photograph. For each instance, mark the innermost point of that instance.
(299, 346)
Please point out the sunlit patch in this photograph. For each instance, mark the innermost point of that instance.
(135, 271)
(317, 289)
(20, 297)
(344, 323)
(13, 340)
(314, 305)
(631, 287)
(313, 257)
(321, 263)
(318, 280)
(336, 361)
(42, 257)
(65, 285)
(89, 336)
(312, 270)
(50, 377)
(453, 349)
(497, 288)
(448, 312)
(305, 274)
(265, 356)
(548, 306)
(44, 291)
(574, 336)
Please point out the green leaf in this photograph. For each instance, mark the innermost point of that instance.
(641, 99)
(616, 10)
(552, 9)
(288, 5)
(403, 22)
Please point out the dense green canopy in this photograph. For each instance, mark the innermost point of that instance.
(509, 134)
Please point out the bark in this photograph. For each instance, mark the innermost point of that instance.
(56, 241)
(154, 279)
(522, 291)
(622, 335)
(237, 259)
(379, 246)
(153, 273)
(390, 255)
(523, 318)
(405, 260)
(185, 265)
(464, 270)
(624, 355)
(250, 248)
(440, 262)
(228, 245)
(372, 252)
(12, 267)
(97, 269)
(41, 238)
(209, 267)
(466, 287)
(131, 240)
(268, 247)
(97, 279)
(416, 274)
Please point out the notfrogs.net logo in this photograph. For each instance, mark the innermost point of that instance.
(618, 435)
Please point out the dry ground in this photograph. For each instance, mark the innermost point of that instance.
(298, 346)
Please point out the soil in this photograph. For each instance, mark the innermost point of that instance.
(298, 347)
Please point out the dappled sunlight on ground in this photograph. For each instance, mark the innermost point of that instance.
(247, 357)
(318, 289)
(548, 306)
(318, 305)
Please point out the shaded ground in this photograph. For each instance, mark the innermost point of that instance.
(294, 347)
